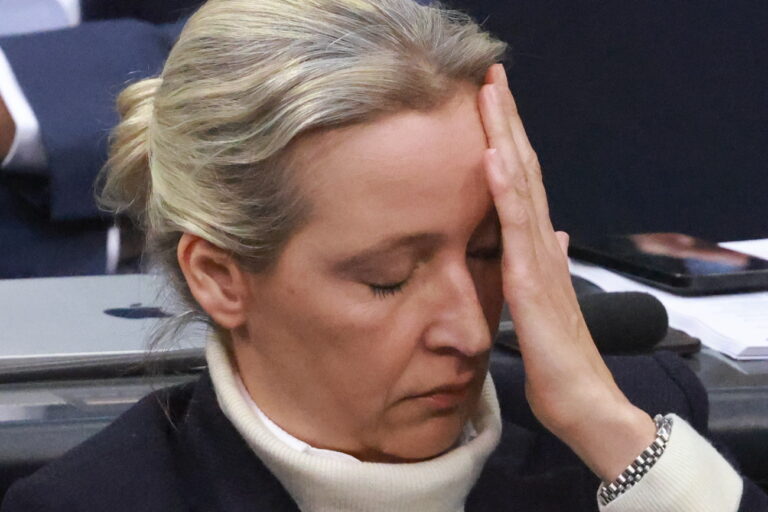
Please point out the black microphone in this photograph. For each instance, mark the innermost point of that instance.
(624, 322)
(620, 322)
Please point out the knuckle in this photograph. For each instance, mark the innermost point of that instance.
(524, 286)
(504, 185)
(517, 215)
(531, 162)
(520, 183)
(520, 275)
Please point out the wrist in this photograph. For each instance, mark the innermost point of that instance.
(642, 464)
(611, 438)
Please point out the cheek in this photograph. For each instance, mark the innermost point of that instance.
(361, 343)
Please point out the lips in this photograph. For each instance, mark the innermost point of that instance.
(446, 396)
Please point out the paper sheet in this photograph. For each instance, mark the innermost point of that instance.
(736, 325)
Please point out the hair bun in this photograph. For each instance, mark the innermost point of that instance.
(125, 182)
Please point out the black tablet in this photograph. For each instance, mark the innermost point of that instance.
(675, 262)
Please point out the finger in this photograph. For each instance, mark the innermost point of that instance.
(530, 246)
(517, 192)
(499, 77)
(499, 136)
(514, 217)
(531, 275)
(521, 271)
(514, 203)
(499, 133)
(525, 151)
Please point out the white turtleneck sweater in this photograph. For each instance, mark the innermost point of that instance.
(691, 476)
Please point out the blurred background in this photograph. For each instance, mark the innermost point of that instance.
(647, 116)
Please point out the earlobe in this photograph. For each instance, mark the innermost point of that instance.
(215, 279)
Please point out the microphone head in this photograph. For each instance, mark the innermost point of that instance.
(624, 322)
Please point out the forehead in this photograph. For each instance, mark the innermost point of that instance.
(411, 171)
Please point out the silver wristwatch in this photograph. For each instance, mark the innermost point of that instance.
(641, 465)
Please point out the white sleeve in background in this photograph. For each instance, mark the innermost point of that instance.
(27, 149)
(71, 10)
(25, 16)
(690, 476)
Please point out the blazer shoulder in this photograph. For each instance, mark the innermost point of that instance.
(127, 466)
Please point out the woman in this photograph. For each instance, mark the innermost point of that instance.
(330, 183)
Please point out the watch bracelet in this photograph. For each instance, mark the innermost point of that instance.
(640, 466)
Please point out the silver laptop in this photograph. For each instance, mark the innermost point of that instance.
(84, 317)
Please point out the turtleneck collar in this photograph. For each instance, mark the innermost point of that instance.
(320, 483)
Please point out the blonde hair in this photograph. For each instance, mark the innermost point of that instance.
(204, 148)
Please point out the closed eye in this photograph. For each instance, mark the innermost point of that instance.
(384, 290)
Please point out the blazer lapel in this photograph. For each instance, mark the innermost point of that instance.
(219, 470)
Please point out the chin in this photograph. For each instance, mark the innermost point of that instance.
(427, 440)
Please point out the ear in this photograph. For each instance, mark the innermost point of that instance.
(215, 279)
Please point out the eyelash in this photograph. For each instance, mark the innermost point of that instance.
(382, 291)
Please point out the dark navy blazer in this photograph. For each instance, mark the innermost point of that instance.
(175, 450)
(71, 78)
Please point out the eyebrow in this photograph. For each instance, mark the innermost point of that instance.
(419, 241)
(394, 243)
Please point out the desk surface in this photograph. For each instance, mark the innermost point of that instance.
(719, 372)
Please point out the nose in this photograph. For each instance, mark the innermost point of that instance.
(459, 323)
